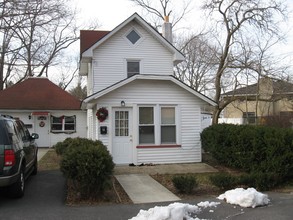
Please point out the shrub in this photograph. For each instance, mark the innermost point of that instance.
(184, 183)
(224, 181)
(61, 146)
(250, 148)
(89, 165)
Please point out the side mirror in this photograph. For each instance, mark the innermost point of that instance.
(34, 136)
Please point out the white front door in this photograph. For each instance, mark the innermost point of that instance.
(122, 138)
(42, 126)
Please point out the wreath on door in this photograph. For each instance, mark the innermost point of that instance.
(102, 114)
(42, 124)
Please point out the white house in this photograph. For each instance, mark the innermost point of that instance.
(151, 117)
(45, 109)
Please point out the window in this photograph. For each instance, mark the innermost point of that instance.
(249, 117)
(63, 124)
(121, 123)
(168, 125)
(133, 37)
(132, 68)
(146, 125)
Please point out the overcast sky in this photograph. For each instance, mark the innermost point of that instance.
(110, 13)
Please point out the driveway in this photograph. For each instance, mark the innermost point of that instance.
(45, 196)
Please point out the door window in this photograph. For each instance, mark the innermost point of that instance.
(121, 123)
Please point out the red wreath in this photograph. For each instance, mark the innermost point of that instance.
(102, 114)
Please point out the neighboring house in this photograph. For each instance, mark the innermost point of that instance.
(266, 102)
(152, 116)
(45, 109)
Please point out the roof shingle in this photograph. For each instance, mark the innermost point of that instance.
(37, 94)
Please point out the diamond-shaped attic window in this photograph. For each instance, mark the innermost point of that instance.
(133, 37)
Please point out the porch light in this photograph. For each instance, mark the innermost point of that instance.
(122, 104)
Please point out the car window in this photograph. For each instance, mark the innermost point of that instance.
(23, 134)
(4, 138)
(12, 132)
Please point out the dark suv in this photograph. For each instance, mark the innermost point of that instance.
(18, 155)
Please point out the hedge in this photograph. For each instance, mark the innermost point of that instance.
(250, 148)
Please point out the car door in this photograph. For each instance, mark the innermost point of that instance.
(26, 144)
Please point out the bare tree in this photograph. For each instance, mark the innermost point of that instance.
(240, 18)
(34, 34)
(197, 70)
(162, 8)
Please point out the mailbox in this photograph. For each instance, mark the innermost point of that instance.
(103, 129)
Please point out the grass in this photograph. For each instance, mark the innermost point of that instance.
(50, 161)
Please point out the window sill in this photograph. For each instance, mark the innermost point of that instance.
(158, 146)
(63, 132)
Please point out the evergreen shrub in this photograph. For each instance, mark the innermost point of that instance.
(184, 183)
(255, 149)
(89, 165)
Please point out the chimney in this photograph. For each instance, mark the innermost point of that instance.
(167, 30)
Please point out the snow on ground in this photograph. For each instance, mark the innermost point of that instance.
(245, 197)
(174, 211)
(179, 211)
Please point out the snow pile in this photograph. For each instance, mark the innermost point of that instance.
(245, 198)
(208, 204)
(174, 211)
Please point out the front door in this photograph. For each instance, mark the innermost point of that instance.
(122, 138)
(42, 126)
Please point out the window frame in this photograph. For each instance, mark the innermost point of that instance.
(168, 125)
(130, 74)
(249, 119)
(63, 124)
(157, 127)
(149, 125)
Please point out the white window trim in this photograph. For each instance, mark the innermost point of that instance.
(157, 124)
(133, 60)
(128, 41)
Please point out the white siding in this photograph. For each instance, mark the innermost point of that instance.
(81, 126)
(109, 59)
(142, 92)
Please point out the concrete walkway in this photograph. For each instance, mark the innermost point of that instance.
(141, 188)
(42, 152)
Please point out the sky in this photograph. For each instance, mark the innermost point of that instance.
(110, 13)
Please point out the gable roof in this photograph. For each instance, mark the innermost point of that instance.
(279, 87)
(103, 36)
(126, 81)
(37, 94)
(89, 37)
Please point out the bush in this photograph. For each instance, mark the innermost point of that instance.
(224, 181)
(88, 164)
(256, 149)
(184, 183)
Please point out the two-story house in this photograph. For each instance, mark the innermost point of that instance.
(146, 115)
(268, 102)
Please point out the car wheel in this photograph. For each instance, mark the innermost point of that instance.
(17, 189)
(35, 167)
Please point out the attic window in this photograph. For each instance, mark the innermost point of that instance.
(133, 37)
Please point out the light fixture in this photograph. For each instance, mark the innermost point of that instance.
(122, 103)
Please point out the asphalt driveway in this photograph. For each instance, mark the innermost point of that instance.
(45, 195)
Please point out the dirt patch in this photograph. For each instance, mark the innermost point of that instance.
(114, 195)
